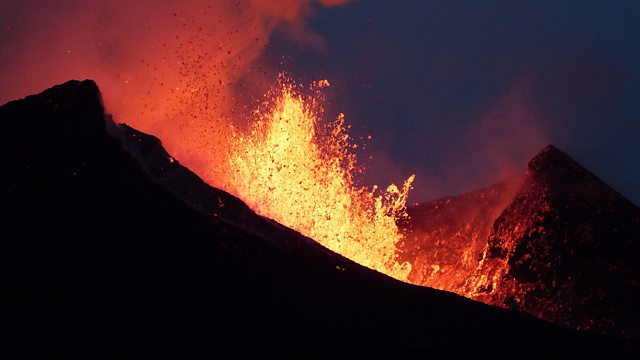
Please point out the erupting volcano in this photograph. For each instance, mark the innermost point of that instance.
(205, 201)
(499, 245)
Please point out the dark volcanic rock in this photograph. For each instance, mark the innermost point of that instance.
(98, 259)
(566, 250)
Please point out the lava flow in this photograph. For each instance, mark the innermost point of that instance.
(293, 168)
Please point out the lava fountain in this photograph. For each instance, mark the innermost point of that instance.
(173, 69)
(302, 172)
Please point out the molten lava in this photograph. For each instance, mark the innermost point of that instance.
(291, 167)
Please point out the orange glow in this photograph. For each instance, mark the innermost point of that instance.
(293, 168)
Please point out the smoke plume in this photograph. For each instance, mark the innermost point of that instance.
(171, 68)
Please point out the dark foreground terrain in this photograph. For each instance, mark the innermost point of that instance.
(98, 258)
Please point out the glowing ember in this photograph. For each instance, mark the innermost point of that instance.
(290, 167)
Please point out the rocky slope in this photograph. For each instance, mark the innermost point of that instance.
(559, 244)
(565, 250)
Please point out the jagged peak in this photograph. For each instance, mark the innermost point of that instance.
(76, 106)
(552, 161)
(72, 91)
(550, 155)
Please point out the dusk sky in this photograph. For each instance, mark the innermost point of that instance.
(461, 93)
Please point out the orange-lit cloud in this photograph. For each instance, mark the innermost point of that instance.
(166, 67)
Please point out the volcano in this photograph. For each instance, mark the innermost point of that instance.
(556, 242)
(112, 248)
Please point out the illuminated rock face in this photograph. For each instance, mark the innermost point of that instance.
(445, 239)
(565, 250)
(559, 244)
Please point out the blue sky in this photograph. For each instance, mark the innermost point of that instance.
(465, 93)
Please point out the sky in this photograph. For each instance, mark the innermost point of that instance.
(461, 93)
(464, 93)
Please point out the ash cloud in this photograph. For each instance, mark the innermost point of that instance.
(495, 144)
